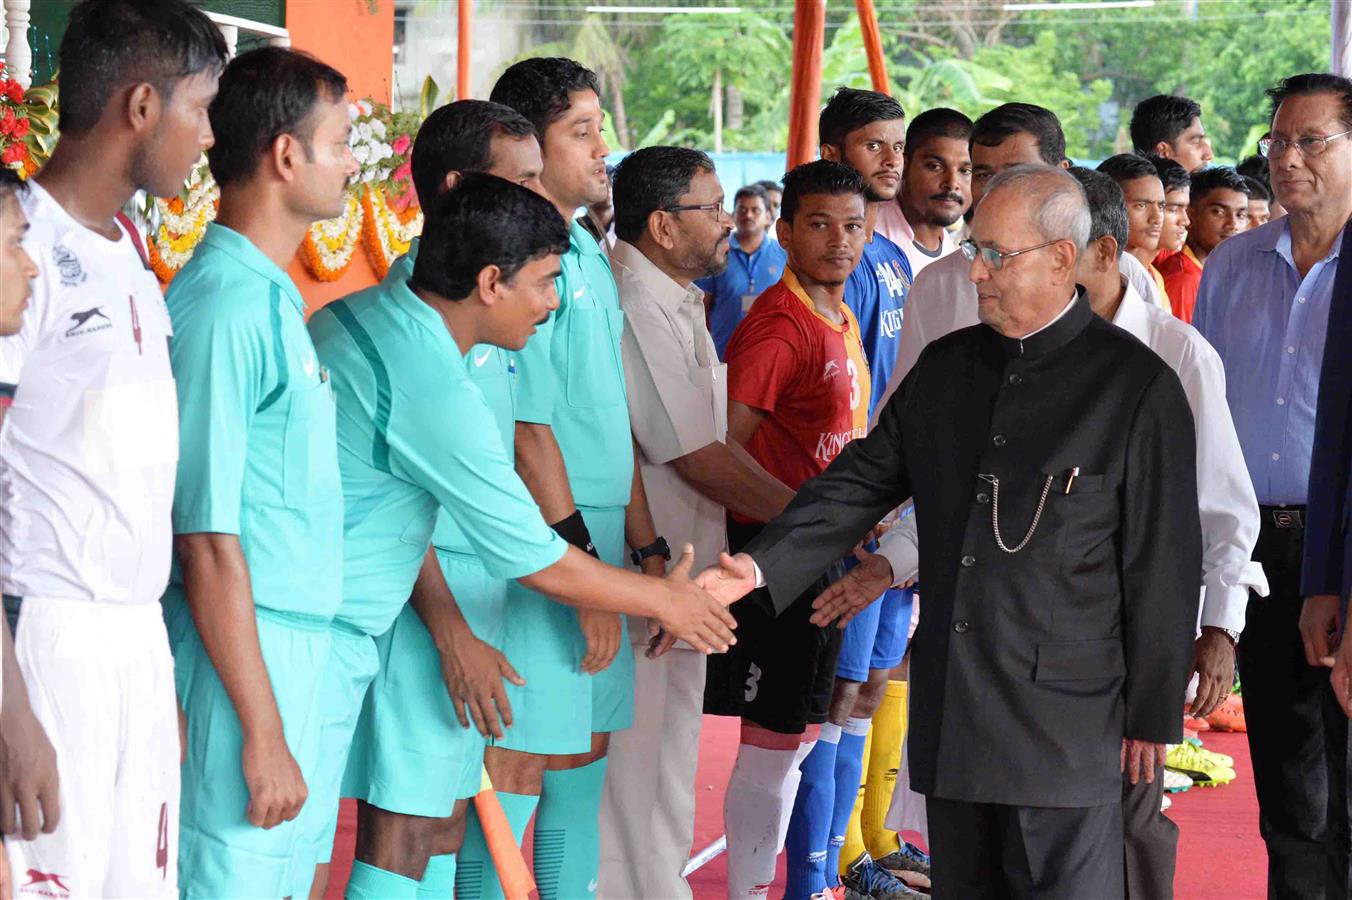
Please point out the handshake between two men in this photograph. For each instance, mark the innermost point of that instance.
(736, 575)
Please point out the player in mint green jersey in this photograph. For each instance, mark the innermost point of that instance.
(415, 436)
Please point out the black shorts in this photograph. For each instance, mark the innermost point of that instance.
(781, 672)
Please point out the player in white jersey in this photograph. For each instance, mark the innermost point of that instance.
(28, 779)
(88, 450)
(16, 266)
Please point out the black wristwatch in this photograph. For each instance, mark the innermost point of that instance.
(656, 548)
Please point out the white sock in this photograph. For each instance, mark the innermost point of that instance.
(756, 816)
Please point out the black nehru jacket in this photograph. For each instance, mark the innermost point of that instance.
(1029, 668)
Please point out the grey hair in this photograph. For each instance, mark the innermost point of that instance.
(1057, 204)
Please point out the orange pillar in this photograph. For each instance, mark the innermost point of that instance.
(464, 32)
(873, 45)
(349, 37)
(805, 95)
(358, 42)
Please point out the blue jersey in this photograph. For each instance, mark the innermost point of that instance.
(876, 292)
(738, 286)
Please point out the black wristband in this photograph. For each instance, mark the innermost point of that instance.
(656, 548)
(574, 530)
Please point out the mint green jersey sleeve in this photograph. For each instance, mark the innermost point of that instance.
(450, 446)
(536, 379)
(219, 354)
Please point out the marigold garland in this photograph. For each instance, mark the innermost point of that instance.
(330, 245)
(387, 232)
(183, 222)
(369, 218)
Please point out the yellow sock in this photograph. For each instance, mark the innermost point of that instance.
(889, 729)
(854, 834)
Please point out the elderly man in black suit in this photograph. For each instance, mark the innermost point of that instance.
(1051, 458)
(1328, 542)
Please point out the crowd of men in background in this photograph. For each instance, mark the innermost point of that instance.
(444, 529)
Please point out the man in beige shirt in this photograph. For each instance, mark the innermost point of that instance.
(671, 229)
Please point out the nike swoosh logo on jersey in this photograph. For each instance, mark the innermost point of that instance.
(579, 292)
(480, 360)
(309, 365)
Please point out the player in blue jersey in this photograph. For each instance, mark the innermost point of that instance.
(865, 130)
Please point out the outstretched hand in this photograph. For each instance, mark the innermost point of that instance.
(850, 595)
(732, 579)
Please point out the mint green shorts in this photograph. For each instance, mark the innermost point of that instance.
(411, 754)
(352, 667)
(220, 853)
(560, 706)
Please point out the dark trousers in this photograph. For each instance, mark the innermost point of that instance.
(1151, 840)
(987, 851)
(1297, 735)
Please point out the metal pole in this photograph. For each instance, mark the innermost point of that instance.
(805, 95)
(705, 856)
(1340, 17)
(464, 32)
(873, 46)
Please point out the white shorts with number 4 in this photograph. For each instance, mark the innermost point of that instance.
(100, 679)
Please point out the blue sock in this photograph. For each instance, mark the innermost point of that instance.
(567, 832)
(476, 878)
(810, 824)
(369, 883)
(438, 881)
(849, 774)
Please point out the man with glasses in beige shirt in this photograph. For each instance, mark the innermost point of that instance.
(671, 229)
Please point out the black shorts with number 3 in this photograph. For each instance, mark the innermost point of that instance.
(781, 672)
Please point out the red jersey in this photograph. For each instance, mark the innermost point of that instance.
(807, 373)
(1182, 275)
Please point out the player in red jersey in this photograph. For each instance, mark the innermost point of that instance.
(798, 391)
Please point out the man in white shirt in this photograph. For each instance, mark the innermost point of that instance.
(29, 781)
(89, 446)
(942, 298)
(1226, 503)
(936, 188)
(672, 229)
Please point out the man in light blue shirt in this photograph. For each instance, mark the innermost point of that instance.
(258, 507)
(755, 262)
(1264, 305)
(412, 763)
(574, 450)
(416, 436)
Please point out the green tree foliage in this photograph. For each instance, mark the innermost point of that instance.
(1035, 77)
(1091, 67)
